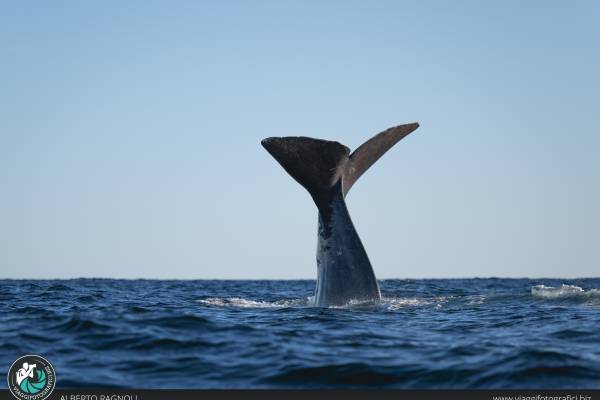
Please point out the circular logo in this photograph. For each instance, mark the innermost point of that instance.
(31, 377)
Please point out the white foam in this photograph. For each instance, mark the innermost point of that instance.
(397, 303)
(245, 303)
(358, 305)
(387, 303)
(476, 300)
(565, 291)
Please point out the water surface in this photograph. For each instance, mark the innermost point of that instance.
(471, 333)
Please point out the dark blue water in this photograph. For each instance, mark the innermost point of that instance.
(474, 333)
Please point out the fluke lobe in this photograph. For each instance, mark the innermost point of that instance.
(327, 170)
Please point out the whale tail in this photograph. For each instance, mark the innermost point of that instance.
(372, 150)
(318, 165)
(321, 166)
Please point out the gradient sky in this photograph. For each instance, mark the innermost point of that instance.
(130, 136)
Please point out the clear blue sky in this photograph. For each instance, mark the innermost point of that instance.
(130, 136)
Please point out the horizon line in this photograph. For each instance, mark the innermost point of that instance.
(288, 279)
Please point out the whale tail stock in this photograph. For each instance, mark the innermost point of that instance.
(321, 166)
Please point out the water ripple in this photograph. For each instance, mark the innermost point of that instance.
(473, 333)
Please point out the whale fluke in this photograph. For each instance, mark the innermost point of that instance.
(372, 150)
(327, 170)
(318, 165)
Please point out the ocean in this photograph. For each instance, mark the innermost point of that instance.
(454, 333)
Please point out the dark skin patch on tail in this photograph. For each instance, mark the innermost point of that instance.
(318, 165)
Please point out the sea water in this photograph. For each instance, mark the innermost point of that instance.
(460, 333)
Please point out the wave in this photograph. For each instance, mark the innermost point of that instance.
(398, 303)
(472, 333)
(563, 292)
(334, 375)
(386, 303)
(518, 368)
(246, 303)
(79, 324)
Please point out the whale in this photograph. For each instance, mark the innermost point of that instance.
(327, 170)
